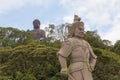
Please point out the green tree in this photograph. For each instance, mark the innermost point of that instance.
(116, 47)
(5, 52)
(107, 67)
(94, 39)
(58, 32)
(13, 37)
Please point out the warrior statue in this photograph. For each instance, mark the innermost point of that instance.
(79, 53)
(76, 18)
(37, 33)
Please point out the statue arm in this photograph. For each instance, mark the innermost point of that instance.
(63, 53)
(93, 58)
(93, 63)
(63, 63)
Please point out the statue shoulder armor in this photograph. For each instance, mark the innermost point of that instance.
(73, 42)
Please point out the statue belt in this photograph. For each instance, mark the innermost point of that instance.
(79, 60)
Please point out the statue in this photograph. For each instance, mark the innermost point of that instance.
(37, 33)
(79, 53)
(76, 18)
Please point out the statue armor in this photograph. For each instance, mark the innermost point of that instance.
(80, 55)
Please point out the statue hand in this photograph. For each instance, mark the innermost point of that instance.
(64, 71)
(92, 67)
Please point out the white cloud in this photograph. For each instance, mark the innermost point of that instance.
(68, 19)
(114, 33)
(102, 15)
(7, 5)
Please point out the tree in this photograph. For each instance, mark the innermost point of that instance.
(13, 37)
(62, 31)
(116, 47)
(33, 59)
(108, 45)
(59, 32)
(107, 66)
(94, 39)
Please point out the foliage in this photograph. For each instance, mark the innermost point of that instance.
(5, 78)
(13, 37)
(116, 47)
(58, 32)
(94, 39)
(108, 65)
(4, 54)
(39, 62)
(26, 76)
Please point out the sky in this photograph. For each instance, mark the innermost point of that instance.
(100, 15)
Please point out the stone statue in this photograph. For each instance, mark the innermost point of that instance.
(76, 18)
(37, 33)
(79, 53)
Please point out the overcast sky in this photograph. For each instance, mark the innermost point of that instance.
(100, 15)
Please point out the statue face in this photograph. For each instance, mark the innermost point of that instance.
(79, 31)
(36, 24)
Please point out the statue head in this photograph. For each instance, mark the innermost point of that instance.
(77, 29)
(36, 24)
(76, 18)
